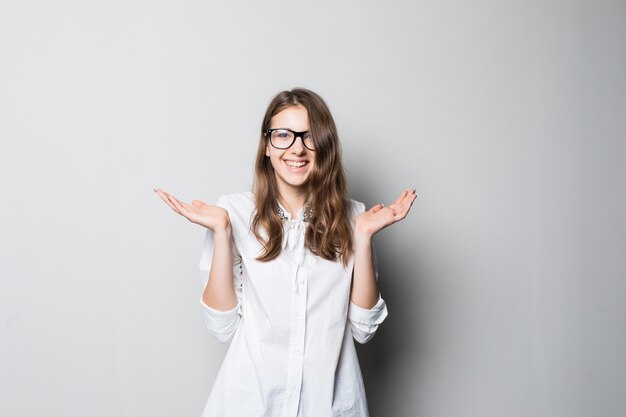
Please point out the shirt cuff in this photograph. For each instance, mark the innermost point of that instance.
(221, 324)
(218, 313)
(374, 316)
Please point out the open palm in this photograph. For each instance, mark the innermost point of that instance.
(380, 216)
(212, 217)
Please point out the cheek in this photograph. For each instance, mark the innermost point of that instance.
(274, 161)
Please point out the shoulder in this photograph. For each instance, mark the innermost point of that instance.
(240, 208)
(356, 207)
(236, 202)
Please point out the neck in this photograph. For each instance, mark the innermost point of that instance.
(292, 199)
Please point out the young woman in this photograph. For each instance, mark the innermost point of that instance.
(289, 273)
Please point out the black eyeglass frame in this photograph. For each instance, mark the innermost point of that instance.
(296, 135)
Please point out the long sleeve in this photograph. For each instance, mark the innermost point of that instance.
(292, 351)
(221, 324)
(364, 322)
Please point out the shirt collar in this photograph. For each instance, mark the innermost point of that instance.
(302, 214)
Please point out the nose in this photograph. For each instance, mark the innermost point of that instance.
(298, 145)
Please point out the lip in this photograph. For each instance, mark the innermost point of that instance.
(296, 169)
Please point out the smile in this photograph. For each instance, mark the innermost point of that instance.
(296, 164)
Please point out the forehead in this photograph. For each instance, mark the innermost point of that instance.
(294, 118)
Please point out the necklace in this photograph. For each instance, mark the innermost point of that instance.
(308, 213)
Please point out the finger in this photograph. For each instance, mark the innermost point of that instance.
(406, 207)
(198, 203)
(163, 193)
(189, 208)
(406, 201)
(409, 194)
(399, 199)
(180, 206)
(376, 208)
(165, 198)
(172, 205)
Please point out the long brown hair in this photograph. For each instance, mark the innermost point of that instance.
(329, 234)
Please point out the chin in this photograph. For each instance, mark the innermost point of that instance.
(297, 182)
(294, 181)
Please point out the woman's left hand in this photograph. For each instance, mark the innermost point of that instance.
(380, 216)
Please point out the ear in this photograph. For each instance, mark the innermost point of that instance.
(267, 150)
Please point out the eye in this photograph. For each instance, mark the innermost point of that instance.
(281, 134)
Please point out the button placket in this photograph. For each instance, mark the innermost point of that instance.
(296, 346)
(293, 245)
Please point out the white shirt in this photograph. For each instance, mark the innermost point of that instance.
(292, 352)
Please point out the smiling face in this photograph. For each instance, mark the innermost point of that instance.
(292, 166)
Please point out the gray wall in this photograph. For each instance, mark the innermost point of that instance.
(505, 286)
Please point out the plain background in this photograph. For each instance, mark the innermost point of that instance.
(505, 286)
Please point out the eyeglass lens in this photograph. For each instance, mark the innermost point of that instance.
(283, 139)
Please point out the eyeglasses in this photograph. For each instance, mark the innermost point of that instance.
(284, 138)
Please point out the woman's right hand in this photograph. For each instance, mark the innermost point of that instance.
(211, 217)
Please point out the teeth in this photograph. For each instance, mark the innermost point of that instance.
(294, 164)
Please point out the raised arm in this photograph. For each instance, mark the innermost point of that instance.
(364, 287)
(367, 308)
(219, 293)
